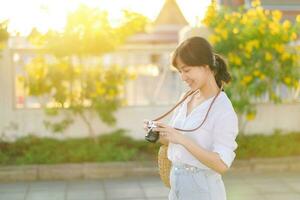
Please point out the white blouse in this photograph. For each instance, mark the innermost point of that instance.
(217, 134)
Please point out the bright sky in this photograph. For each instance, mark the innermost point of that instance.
(45, 14)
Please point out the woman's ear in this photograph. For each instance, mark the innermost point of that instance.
(209, 70)
(206, 67)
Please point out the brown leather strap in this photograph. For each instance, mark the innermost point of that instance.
(189, 93)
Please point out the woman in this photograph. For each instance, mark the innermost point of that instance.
(199, 157)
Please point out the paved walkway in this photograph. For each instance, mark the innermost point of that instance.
(240, 186)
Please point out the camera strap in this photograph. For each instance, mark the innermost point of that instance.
(189, 93)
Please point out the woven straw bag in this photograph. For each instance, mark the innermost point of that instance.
(164, 164)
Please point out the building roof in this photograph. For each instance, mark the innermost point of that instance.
(165, 28)
(170, 14)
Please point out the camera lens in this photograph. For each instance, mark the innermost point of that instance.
(152, 136)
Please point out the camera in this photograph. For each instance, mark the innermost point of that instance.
(152, 136)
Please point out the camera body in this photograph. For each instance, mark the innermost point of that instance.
(151, 136)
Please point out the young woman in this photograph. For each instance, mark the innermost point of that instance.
(200, 156)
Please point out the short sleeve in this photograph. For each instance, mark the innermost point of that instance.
(225, 133)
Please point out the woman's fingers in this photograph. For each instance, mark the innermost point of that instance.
(163, 134)
(160, 124)
(160, 129)
(145, 127)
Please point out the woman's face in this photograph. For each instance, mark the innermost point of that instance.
(194, 76)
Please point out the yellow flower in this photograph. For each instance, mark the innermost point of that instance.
(217, 30)
(262, 77)
(20, 78)
(234, 59)
(295, 57)
(298, 18)
(250, 116)
(100, 90)
(294, 36)
(224, 34)
(296, 84)
(285, 56)
(226, 17)
(256, 72)
(255, 43)
(262, 28)
(268, 56)
(214, 39)
(235, 31)
(251, 13)
(247, 79)
(274, 28)
(276, 15)
(285, 37)
(250, 45)
(133, 75)
(286, 24)
(287, 80)
(279, 48)
(244, 20)
(248, 48)
(255, 3)
(211, 13)
(238, 61)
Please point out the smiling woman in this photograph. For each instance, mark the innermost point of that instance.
(202, 132)
(51, 14)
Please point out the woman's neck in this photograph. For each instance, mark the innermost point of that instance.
(209, 90)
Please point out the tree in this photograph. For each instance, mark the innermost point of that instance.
(70, 72)
(260, 50)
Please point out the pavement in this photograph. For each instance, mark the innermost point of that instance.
(239, 186)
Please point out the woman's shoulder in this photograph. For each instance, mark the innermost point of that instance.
(225, 117)
(224, 106)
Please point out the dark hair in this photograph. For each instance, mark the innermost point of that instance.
(196, 51)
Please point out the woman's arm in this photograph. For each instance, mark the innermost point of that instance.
(208, 158)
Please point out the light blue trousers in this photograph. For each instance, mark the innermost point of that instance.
(192, 183)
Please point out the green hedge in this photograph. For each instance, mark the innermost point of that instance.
(117, 146)
(263, 146)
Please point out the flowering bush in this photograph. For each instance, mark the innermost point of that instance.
(260, 50)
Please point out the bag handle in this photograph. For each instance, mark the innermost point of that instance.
(189, 93)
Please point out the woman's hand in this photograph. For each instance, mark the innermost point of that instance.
(168, 133)
(146, 125)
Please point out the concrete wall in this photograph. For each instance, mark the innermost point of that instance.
(18, 123)
(285, 117)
